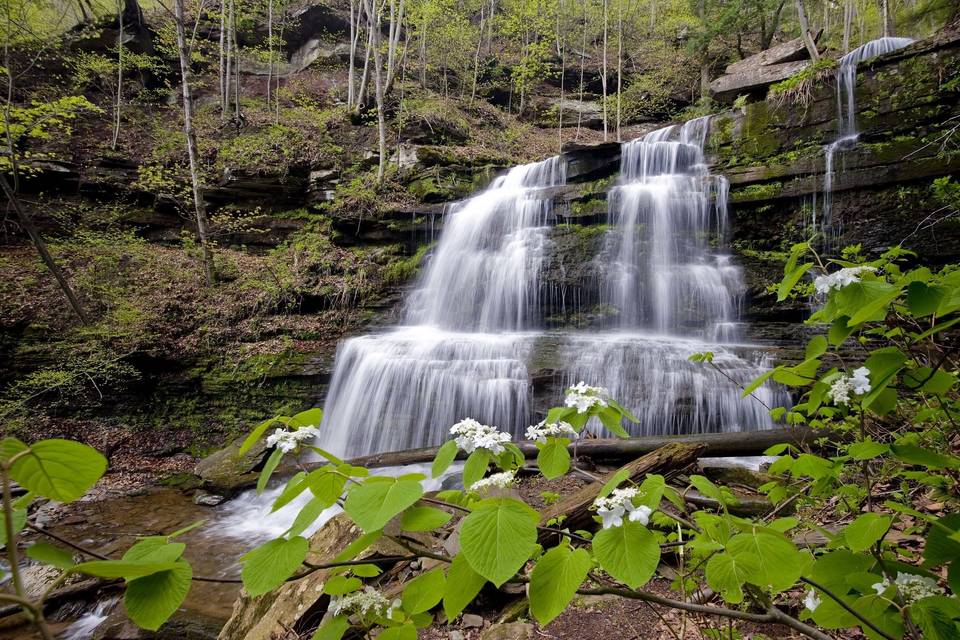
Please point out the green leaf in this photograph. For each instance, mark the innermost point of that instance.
(269, 565)
(790, 281)
(356, 547)
(816, 347)
(726, 574)
(778, 563)
(936, 617)
(268, 468)
(498, 538)
(923, 300)
(463, 585)
(309, 418)
(611, 418)
(128, 570)
(555, 580)
(913, 454)
(757, 382)
(332, 629)
(868, 528)
(867, 450)
(629, 553)
(61, 470)
(475, 467)
(424, 592)
(880, 295)
(155, 549)
(839, 331)
(373, 503)
(424, 519)
(151, 600)
(49, 554)
(326, 485)
(307, 516)
(19, 517)
(294, 487)
(446, 454)
(340, 585)
(256, 434)
(941, 546)
(615, 480)
(403, 632)
(553, 458)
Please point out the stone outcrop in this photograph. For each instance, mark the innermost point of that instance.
(754, 74)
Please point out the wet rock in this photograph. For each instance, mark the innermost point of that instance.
(37, 578)
(206, 499)
(181, 626)
(510, 631)
(227, 471)
(456, 635)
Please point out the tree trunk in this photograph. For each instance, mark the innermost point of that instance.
(201, 212)
(603, 79)
(736, 443)
(576, 506)
(41, 247)
(269, 50)
(805, 31)
(236, 68)
(227, 77)
(364, 78)
(847, 24)
(583, 58)
(619, 64)
(354, 35)
(116, 114)
(378, 81)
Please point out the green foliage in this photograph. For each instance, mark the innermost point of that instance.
(798, 88)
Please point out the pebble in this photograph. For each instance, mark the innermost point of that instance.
(205, 499)
(471, 620)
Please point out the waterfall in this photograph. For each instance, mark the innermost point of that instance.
(473, 329)
(463, 351)
(676, 295)
(847, 132)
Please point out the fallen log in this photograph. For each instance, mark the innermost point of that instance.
(576, 506)
(739, 443)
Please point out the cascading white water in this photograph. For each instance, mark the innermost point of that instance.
(463, 352)
(475, 321)
(675, 296)
(847, 132)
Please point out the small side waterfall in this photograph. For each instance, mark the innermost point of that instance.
(847, 132)
(474, 331)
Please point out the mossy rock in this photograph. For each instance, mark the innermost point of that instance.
(227, 471)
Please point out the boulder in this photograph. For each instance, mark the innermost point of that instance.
(227, 471)
(727, 88)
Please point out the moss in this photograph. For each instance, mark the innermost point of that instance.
(752, 192)
(405, 269)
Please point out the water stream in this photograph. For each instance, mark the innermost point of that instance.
(847, 132)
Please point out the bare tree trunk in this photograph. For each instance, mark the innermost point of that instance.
(276, 93)
(583, 57)
(603, 79)
(378, 72)
(887, 15)
(805, 31)
(116, 110)
(704, 56)
(847, 24)
(41, 247)
(222, 73)
(561, 38)
(364, 78)
(619, 63)
(202, 227)
(236, 67)
(774, 26)
(476, 54)
(228, 78)
(653, 15)
(354, 35)
(269, 50)
(396, 22)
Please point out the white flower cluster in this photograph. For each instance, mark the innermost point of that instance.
(842, 387)
(612, 508)
(583, 397)
(287, 441)
(911, 586)
(498, 480)
(363, 602)
(839, 279)
(812, 601)
(471, 435)
(540, 432)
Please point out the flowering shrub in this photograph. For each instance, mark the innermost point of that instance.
(879, 377)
